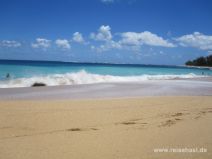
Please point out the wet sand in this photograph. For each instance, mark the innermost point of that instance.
(180, 87)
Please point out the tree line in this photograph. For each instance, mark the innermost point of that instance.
(200, 61)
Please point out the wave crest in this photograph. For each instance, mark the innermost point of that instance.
(83, 77)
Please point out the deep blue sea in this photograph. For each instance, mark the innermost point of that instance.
(25, 73)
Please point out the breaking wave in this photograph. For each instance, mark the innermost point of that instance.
(83, 77)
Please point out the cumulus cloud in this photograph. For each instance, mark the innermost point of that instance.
(126, 40)
(10, 43)
(146, 37)
(197, 40)
(63, 43)
(104, 34)
(77, 37)
(41, 43)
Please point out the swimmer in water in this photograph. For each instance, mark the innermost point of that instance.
(8, 75)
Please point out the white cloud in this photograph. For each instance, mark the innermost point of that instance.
(77, 37)
(107, 46)
(146, 37)
(210, 52)
(41, 43)
(127, 40)
(107, 1)
(197, 40)
(63, 43)
(104, 34)
(8, 43)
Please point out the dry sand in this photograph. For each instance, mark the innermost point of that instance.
(105, 129)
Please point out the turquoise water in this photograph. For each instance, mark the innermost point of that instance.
(18, 69)
(41, 71)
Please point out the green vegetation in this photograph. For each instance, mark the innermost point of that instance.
(201, 61)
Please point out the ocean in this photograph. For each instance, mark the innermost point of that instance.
(26, 73)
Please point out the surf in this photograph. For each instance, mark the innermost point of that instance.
(84, 77)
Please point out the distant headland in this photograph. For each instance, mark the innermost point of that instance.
(201, 61)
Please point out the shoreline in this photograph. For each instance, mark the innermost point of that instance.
(69, 79)
(200, 67)
(181, 87)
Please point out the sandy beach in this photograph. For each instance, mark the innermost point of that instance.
(118, 128)
(154, 119)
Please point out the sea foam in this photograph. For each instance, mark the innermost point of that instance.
(83, 77)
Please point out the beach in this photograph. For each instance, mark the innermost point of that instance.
(105, 79)
(159, 120)
(118, 128)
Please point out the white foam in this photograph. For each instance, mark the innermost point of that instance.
(82, 77)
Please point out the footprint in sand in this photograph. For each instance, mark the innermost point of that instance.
(49, 132)
(174, 119)
(177, 114)
(79, 129)
(128, 123)
(74, 129)
(6, 127)
(203, 112)
(170, 122)
(133, 122)
(167, 123)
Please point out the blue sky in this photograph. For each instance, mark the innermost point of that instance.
(115, 31)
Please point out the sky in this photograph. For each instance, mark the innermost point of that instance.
(167, 32)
